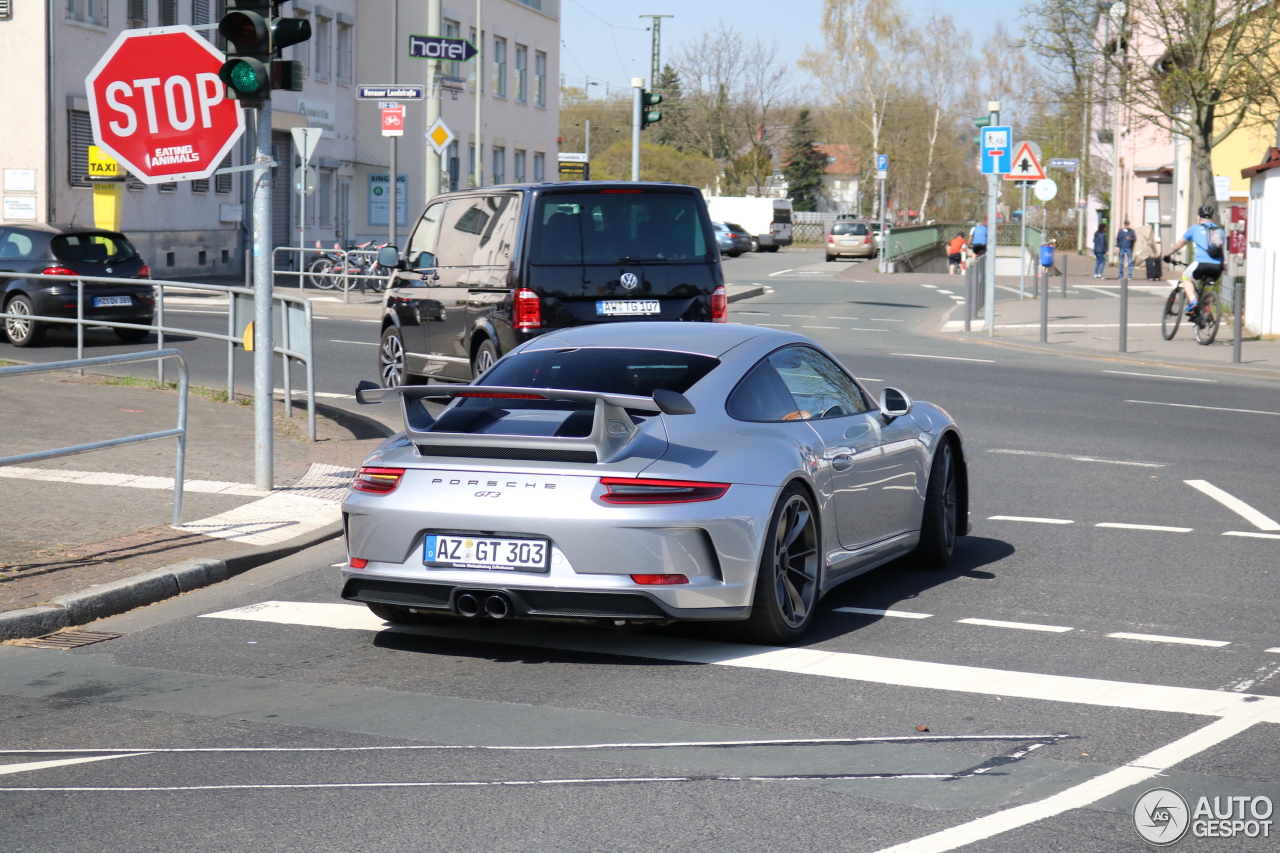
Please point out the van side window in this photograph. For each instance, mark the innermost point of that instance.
(460, 229)
(424, 235)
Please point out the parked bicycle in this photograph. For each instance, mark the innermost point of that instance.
(327, 270)
(1204, 316)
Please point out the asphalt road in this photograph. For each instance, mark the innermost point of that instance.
(1085, 647)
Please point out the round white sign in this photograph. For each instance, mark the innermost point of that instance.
(1045, 190)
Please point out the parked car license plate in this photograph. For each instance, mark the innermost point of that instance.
(627, 307)
(107, 301)
(448, 551)
(851, 242)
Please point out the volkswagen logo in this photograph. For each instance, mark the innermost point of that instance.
(109, 269)
(630, 280)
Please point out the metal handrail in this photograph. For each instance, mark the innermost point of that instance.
(230, 338)
(344, 259)
(179, 432)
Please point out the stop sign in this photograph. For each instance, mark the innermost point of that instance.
(158, 106)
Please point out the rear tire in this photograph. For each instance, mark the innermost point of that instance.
(1172, 316)
(941, 522)
(131, 335)
(789, 577)
(755, 244)
(392, 360)
(772, 248)
(22, 332)
(1207, 320)
(486, 355)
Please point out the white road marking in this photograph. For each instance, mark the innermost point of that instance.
(6, 769)
(836, 328)
(770, 325)
(870, 611)
(1206, 408)
(132, 481)
(867, 330)
(802, 316)
(1234, 504)
(1275, 651)
(1156, 527)
(1097, 290)
(357, 343)
(1134, 773)
(1158, 375)
(1158, 638)
(946, 357)
(1248, 533)
(1075, 458)
(169, 310)
(1025, 626)
(771, 275)
(833, 317)
(1031, 519)
(940, 290)
(330, 395)
(761, 313)
(930, 286)
(842, 665)
(873, 319)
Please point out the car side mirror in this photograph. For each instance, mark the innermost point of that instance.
(894, 403)
(425, 261)
(673, 402)
(389, 256)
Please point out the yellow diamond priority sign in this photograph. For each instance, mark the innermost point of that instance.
(440, 136)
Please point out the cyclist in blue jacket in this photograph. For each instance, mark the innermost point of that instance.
(1204, 265)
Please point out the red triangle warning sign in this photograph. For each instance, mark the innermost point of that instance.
(1026, 166)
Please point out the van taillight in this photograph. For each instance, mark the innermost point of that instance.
(719, 305)
(526, 309)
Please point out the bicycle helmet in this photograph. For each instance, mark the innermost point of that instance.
(1206, 211)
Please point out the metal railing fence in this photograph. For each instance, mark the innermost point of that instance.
(179, 432)
(340, 267)
(301, 311)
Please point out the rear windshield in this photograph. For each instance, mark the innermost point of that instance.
(92, 248)
(639, 372)
(736, 228)
(849, 228)
(618, 228)
(782, 214)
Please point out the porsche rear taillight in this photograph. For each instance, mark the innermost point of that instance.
(719, 305)
(659, 580)
(526, 309)
(377, 481)
(628, 490)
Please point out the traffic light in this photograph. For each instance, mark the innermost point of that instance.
(982, 121)
(254, 38)
(648, 116)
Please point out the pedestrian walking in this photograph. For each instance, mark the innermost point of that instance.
(1125, 239)
(955, 252)
(1100, 250)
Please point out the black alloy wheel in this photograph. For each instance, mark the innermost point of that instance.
(22, 331)
(1206, 320)
(940, 524)
(485, 356)
(1172, 316)
(392, 370)
(787, 582)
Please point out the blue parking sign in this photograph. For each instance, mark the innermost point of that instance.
(882, 162)
(997, 150)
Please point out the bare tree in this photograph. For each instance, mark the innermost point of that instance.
(945, 69)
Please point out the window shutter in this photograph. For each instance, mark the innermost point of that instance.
(5, 9)
(200, 16)
(137, 13)
(80, 137)
(222, 183)
(168, 13)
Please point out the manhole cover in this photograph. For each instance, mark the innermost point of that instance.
(66, 640)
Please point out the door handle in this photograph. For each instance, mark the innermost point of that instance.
(841, 459)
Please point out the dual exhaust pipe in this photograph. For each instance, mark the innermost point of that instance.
(495, 605)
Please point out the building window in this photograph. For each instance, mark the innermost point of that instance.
(88, 11)
(500, 67)
(169, 188)
(499, 165)
(137, 13)
(517, 166)
(539, 167)
(472, 76)
(168, 13)
(453, 30)
(454, 165)
(80, 136)
(344, 54)
(324, 189)
(222, 183)
(200, 15)
(302, 54)
(540, 79)
(324, 36)
(200, 186)
(471, 162)
(522, 74)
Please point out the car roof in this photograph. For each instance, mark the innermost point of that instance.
(54, 228)
(567, 186)
(711, 339)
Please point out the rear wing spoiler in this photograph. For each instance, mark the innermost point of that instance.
(611, 427)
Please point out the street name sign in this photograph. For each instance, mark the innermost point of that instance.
(441, 47)
(997, 154)
(1068, 163)
(1026, 165)
(397, 93)
(572, 157)
(158, 107)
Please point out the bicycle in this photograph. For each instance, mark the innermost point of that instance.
(1205, 316)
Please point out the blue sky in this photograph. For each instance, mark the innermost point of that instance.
(606, 40)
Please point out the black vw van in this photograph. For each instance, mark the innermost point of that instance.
(487, 269)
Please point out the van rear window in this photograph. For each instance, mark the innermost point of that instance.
(619, 228)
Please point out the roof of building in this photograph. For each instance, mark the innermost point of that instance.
(1271, 161)
(841, 159)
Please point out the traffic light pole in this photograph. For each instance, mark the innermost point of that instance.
(637, 91)
(263, 329)
(993, 235)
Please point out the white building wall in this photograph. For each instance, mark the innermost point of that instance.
(24, 134)
(1262, 266)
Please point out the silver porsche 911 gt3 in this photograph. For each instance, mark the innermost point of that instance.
(649, 472)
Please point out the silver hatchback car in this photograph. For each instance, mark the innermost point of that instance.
(649, 472)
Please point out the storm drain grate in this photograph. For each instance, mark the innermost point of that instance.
(66, 640)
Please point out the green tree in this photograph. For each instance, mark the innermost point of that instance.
(671, 130)
(803, 164)
(657, 163)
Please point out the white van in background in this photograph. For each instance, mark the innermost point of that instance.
(767, 220)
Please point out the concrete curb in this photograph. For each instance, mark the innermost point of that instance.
(744, 291)
(111, 599)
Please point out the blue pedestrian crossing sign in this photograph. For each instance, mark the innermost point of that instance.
(997, 150)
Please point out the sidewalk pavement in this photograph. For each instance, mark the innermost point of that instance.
(84, 531)
(1087, 322)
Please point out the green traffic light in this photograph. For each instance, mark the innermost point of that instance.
(652, 116)
(243, 78)
(247, 76)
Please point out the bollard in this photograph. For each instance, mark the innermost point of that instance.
(1044, 308)
(1124, 314)
(968, 298)
(1064, 276)
(1237, 316)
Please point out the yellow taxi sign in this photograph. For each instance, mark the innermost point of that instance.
(102, 166)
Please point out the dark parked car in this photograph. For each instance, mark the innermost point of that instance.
(71, 250)
(487, 269)
(733, 239)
